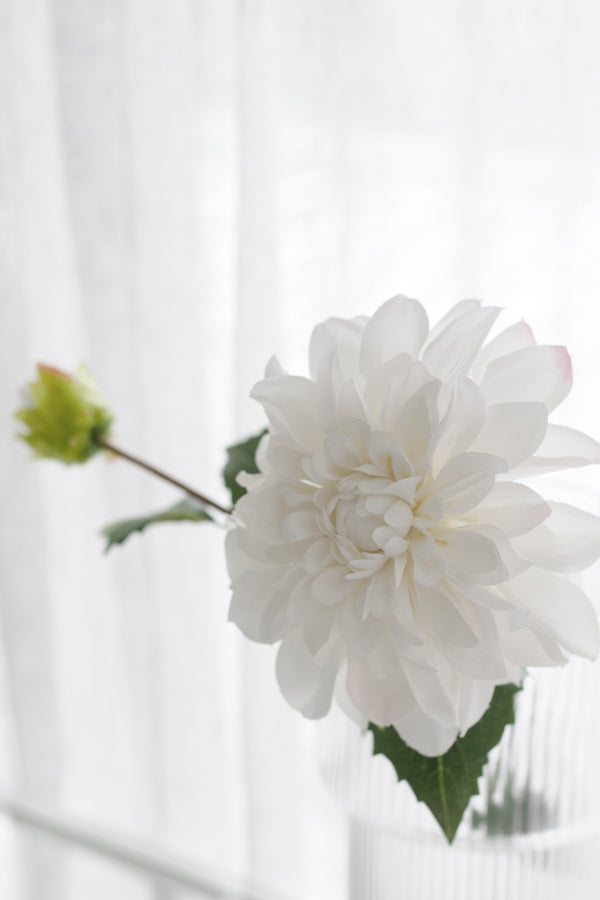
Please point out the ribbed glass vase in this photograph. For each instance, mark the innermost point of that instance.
(532, 832)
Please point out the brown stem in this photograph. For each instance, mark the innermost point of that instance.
(102, 442)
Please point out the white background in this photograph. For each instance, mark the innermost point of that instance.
(186, 187)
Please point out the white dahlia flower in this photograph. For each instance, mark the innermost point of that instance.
(388, 543)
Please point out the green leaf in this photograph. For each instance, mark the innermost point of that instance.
(187, 510)
(447, 783)
(241, 458)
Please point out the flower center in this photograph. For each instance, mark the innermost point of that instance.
(353, 520)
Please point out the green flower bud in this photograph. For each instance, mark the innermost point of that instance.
(66, 414)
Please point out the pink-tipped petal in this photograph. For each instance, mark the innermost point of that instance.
(539, 373)
(515, 337)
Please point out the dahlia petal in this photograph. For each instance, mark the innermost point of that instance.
(462, 421)
(568, 541)
(469, 498)
(249, 604)
(400, 567)
(562, 448)
(463, 472)
(399, 516)
(317, 555)
(429, 513)
(485, 597)
(540, 373)
(350, 406)
(405, 489)
(322, 468)
(281, 456)
(399, 326)
(562, 607)
(513, 508)
(300, 525)
(403, 612)
(403, 641)
(424, 735)
(237, 558)
(474, 699)
(430, 693)
(384, 699)
(373, 485)
(306, 686)
(274, 368)
(443, 618)
(484, 660)
(515, 337)
(403, 407)
(336, 336)
(303, 606)
(455, 312)
(275, 624)
(381, 593)
(428, 570)
(452, 352)
(414, 425)
(387, 382)
(380, 448)
(511, 561)
(516, 617)
(252, 552)
(360, 633)
(468, 554)
(395, 546)
(383, 661)
(290, 403)
(344, 702)
(262, 519)
(379, 504)
(342, 451)
(330, 586)
(531, 646)
(422, 544)
(383, 534)
(317, 636)
(365, 566)
(512, 430)
(561, 441)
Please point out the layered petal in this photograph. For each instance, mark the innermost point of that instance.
(515, 337)
(336, 337)
(561, 606)
(424, 734)
(305, 685)
(561, 448)
(567, 541)
(513, 508)
(538, 373)
(512, 430)
(399, 326)
(451, 353)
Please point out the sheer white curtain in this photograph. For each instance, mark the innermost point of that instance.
(185, 188)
